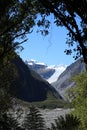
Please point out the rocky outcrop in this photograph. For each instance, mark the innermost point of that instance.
(65, 79)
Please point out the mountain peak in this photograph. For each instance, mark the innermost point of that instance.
(49, 73)
(32, 62)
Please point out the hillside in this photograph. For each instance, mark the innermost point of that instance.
(30, 86)
(59, 76)
(65, 79)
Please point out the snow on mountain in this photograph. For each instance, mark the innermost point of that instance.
(32, 62)
(64, 82)
(58, 70)
(49, 73)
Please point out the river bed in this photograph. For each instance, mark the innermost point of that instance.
(50, 115)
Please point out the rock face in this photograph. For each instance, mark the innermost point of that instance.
(49, 73)
(30, 86)
(64, 81)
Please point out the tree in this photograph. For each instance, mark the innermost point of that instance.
(34, 120)
(17, 18)
(21, 16)
(69, 122)
(14, 17)
(8, 76)
(73, 15)
(7, 122)
(79, 101)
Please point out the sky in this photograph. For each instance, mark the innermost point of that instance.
(47, 49)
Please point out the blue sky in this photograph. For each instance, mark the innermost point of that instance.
(48, 49)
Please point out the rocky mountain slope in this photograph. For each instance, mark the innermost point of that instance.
(59, 76)
(49, 73)
(30, 86)
(65, 79)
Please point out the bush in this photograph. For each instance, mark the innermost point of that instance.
(34, 120)
(69, 122)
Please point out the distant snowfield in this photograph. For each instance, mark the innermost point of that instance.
(32, 61)
(50, 115)
(58, 70)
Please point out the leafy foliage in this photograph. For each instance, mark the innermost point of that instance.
(80, 98)
(8, 75)
(69, 122)
(71, 14)
(8, 123)
(21, 16)
(5, 101)
(17, 18)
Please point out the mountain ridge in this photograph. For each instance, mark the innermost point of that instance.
(29, 85)
(65, 79)
(49, 73)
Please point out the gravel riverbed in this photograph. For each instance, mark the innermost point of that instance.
(50, 115)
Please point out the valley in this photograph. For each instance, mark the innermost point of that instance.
(32, 88)
(60, 77)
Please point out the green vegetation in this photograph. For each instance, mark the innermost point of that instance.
(72, 15)
(21, 16)
(51, 102)
(79, 101)
(7, 122)
(34, 120)
(69, 122)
